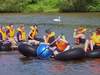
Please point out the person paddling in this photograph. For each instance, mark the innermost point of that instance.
(47, 50)
(61, 45)
(21, 34)
(94, 42)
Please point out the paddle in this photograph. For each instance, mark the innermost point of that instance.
(48, 46)
(55, 40)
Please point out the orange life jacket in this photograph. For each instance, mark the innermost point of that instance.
(61, 45)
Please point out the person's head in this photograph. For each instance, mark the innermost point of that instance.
(98, 30)
(0, 27)
(80, 28)
(22, 27)
(3, 28)
(12, 26)
(62, 34)
(34, 25)
(48, 31)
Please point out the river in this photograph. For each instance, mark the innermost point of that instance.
(15, 64)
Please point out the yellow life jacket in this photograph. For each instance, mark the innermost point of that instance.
(63, 37)
(11, 33)
(49, 36)
(33, 32)
(3, 35)
(23, 34)
(96, 39)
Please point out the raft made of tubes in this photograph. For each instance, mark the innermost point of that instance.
(72, 54)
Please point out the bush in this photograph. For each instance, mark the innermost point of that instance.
(94, 6)
(13, 5)
(29, 6)
(43, 6)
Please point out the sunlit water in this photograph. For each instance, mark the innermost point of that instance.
(14, 64)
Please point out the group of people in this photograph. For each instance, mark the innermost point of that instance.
(90, 43)
(57, 43)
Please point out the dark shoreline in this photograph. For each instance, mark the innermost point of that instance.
(44, 13)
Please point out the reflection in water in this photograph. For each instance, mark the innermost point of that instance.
(26, 60)
(95, 67)
(15, 65)
(57, 68)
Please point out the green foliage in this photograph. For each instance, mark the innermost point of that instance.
(74, 5)
(94, 6)
(43, 6)
(29, 6)
(13, 5)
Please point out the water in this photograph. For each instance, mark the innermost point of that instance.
(69, 18)
(14, 64)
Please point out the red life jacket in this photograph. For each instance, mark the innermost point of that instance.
(61, 45)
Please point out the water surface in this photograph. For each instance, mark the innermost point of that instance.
(14, 64)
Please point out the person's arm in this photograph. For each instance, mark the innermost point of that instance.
(20, 37)
(45, 39)
(74, 33)
(7, 33)
(86, 45)
(30, 35)
(1, 37)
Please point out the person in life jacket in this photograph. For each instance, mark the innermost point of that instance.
(10, 32)
(21, 34)
(33, 33)
(2, 34)
(32, 37)
(49, 37)
(94, 42)
(79, 35)
(61, 45)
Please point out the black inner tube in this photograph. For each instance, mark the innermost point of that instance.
(93, 54)
(72, 54)
(5, 46)
(27, 50)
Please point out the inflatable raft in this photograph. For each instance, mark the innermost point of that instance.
(72, 54)
(93, 54)
(5, 46)
(27, 50)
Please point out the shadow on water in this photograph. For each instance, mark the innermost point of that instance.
(26, 60)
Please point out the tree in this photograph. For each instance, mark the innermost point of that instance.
(13, 5)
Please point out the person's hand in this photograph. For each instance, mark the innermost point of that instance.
(47, 43)
(75, 30)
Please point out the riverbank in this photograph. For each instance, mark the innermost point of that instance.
(51, 13)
